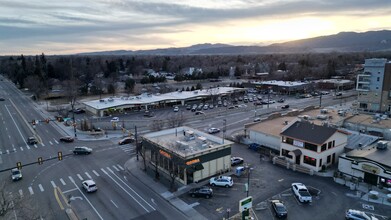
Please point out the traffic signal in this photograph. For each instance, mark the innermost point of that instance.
(40, 160)
(19, 165)
(59, 155)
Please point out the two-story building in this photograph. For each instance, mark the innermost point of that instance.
(312, 146)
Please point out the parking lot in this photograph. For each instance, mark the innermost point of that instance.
(268, 181)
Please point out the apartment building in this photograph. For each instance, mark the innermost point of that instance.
(374, 86)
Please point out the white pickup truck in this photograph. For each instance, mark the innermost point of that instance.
(301, 192)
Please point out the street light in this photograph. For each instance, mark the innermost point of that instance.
(248, 179)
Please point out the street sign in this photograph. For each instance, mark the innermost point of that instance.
(246, 203)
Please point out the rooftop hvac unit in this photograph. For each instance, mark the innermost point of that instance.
(382, 145)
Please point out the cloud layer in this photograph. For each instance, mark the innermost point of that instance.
(61, 27)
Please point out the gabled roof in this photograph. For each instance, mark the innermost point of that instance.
(308, 132)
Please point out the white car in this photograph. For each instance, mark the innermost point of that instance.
(89, 186)
(213, 130)
(358, 215)
(176, 109)
(225, 181)
(115, 119)
(301, 192)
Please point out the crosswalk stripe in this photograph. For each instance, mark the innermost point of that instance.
(63, 182)
(78, 175)
(56, 141)
(109, 169)
(115, 168)
(21, 148)
(8, 152)
(35, 146)
(31, 190)
(41, 187)
(53, 184)
(28, 147)
(1, 152)
(121, 168)
(50, 143)
(71, 179)
(88, 175)
(104, 171)
(96, 173)
(43, 145)
(21, 193)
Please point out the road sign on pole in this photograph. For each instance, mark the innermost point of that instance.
(246, 203)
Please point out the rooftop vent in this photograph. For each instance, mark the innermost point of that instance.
(382, 145)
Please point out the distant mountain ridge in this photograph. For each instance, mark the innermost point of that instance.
(370, 41)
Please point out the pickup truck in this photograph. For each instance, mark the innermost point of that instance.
(301, 192)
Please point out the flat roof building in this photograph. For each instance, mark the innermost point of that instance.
(187, 153)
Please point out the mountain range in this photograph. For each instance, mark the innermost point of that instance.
(370, 41)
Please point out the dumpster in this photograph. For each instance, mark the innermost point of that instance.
(239, 171)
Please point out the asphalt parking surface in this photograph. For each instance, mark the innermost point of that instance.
(268, 181)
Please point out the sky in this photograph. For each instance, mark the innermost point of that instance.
(56, 27)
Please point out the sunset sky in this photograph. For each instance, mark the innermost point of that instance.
(73, 26)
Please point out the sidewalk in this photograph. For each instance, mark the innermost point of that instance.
(134, 168)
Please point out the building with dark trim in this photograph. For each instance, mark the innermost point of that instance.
(369, 164)
(187, 154)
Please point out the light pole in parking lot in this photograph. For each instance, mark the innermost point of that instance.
(248, 179)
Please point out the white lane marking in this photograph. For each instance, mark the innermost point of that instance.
(96, 173)
(21, 148)
(115, 168)
(70, 190)
(85, 197)
(280, 180)
(63, 182)
(71, 179)
(88, 175)
(28, 147)
(104, 171)
(40, 187)
(8, 152)
(31, 190)
(109, 169)
(43, 145)
(127, 191)
(81, 178)
(21, 193)
(1, 152)
(53, 184)
(56, 141)
(35, 146)
(20, 133)
(50, 143)
(114, 203)
(121, 168)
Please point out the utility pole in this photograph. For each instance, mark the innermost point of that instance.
(320, 100)
(224, 129)
(137, 144)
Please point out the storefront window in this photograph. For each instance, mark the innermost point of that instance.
(285, 153)
(311, 147)
(310, 161)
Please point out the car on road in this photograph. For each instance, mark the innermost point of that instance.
(148, 114)
(301, 192)
(204, 191)
(79, 111)
(285, 106)
(236, 161)
(225, 181)
(358, 215)
(281, 100)
(199, 113)
(82, 150)
(115, 119)
(16, 174)
(89, 186)
(324, 93)
(213, 130)
(32, 140)
(279, 208)
(2, 99)
(126, 140)
(176, 109)
(338, 94)
(67, 139)
(188, 107)
(257, 119)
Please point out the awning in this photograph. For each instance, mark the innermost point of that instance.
(195, 167)
(296, 152)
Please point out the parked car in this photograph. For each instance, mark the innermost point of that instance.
(16, 174)
(279, 209)
(213, 130)
(236, 161)
(67, 139)
(257, 119)
(281, 100)
(82, 150)
(148, 114)
(176, 109)
(115, 119)
(225, 181)
(301, 192)
(338, 94)
(206, 107)
(2, 99)
(324, 93)
(358, 215)
(285, 107)
(188, 107)
(204, 191)
(126, 140)
(79, 111)
(89, 186)
(32, 140)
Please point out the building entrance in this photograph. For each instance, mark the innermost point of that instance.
(371, 178)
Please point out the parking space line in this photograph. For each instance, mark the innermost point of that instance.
(50, 143)
(21, 148)
(63, 182)
(41, 187)
(79, 176)
(28, 147)
(71, 179)
(88, 175)
(53, 184)
(21, 193)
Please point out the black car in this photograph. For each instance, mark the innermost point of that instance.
(285, 107)
(279, 209)
(281, 100)
(236, 161)
(204, 191)
(32, 140)
(79, 111)
(67, 139)
(82, 150)
(126, 140)
(2, 99)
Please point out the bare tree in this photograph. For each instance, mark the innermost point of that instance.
(176, 121)
(157, 125)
